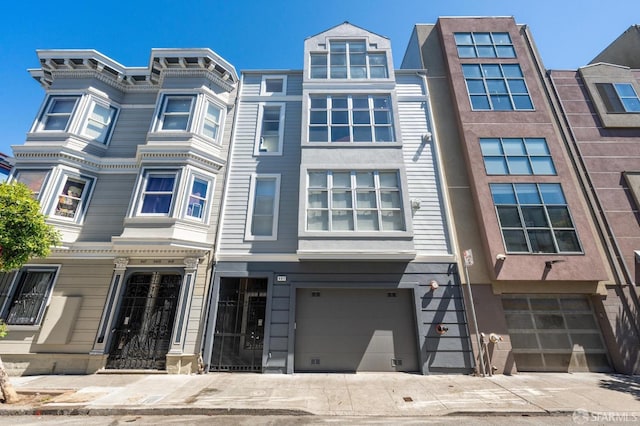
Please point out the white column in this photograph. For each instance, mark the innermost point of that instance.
(184, 305)
(115, 291)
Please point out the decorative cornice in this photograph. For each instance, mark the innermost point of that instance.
(117, 83)
(190, 73)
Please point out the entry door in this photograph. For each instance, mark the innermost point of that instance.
(239, 331)
(142, 335)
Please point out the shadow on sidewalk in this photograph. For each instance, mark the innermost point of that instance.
(622, 383)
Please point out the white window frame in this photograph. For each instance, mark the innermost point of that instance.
(8, 300)
(354, 189)
(48, 113)
(259, 136)
(142, 192)
(37, 194)
(367, 65)
(205, 211)
(263, 85)
(162, 114)
(82, 200)
(205, 119)
(255, 177)
(106, 136)
(351, 125)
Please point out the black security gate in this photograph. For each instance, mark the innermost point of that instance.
(239, 331)
(142, 335)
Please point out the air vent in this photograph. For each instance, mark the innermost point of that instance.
(315, 294)
(392, 294)
(315, 361)
(395, 362)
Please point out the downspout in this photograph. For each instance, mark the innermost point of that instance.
(444, 193)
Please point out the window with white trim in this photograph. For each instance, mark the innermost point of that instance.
(24, 295)
(619, 97)
(158, 191)
(273, 85)
(516, 156)
(176, 112)
(361, 201)
(534, 218)
(497, 87)
(211, 121)
(271, 129)
(71, 198)
(348, 59)
(58, 113)
(99, 123)
(351, 118)
(197, 202)
(34, 179)
(484, 45)
(262, 217)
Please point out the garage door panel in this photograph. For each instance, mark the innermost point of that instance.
(355, 330)
(554, 333)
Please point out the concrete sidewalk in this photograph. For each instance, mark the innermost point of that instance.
(362, 394)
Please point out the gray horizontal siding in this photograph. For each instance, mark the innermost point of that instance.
(107, 207)
(243, 163)
(429, 223)
(130, 131)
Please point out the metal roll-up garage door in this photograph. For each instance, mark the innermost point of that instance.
(554, 333)
(355, 330)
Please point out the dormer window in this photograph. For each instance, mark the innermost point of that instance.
(348, 59)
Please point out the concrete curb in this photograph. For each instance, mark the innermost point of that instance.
(159, 411)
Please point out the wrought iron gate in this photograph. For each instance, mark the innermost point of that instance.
(239, 331)
(142, 335)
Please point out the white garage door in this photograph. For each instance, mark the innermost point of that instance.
(355, 330)
(551, 333)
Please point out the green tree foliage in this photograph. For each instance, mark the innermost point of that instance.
(24, 234)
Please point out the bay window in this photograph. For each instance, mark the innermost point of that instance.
(157, 193)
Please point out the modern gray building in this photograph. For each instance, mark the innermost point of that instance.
(335, 252)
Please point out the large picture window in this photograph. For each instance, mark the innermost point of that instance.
(23, 299)
(484, 45)
(498, 87)
(516, 156)
(534, 218)
(354, 201)
(351, 118)
(349, 59)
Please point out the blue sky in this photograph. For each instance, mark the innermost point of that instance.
(265, 34)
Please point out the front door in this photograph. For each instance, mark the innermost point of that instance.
(142, 335)
(239, 330)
